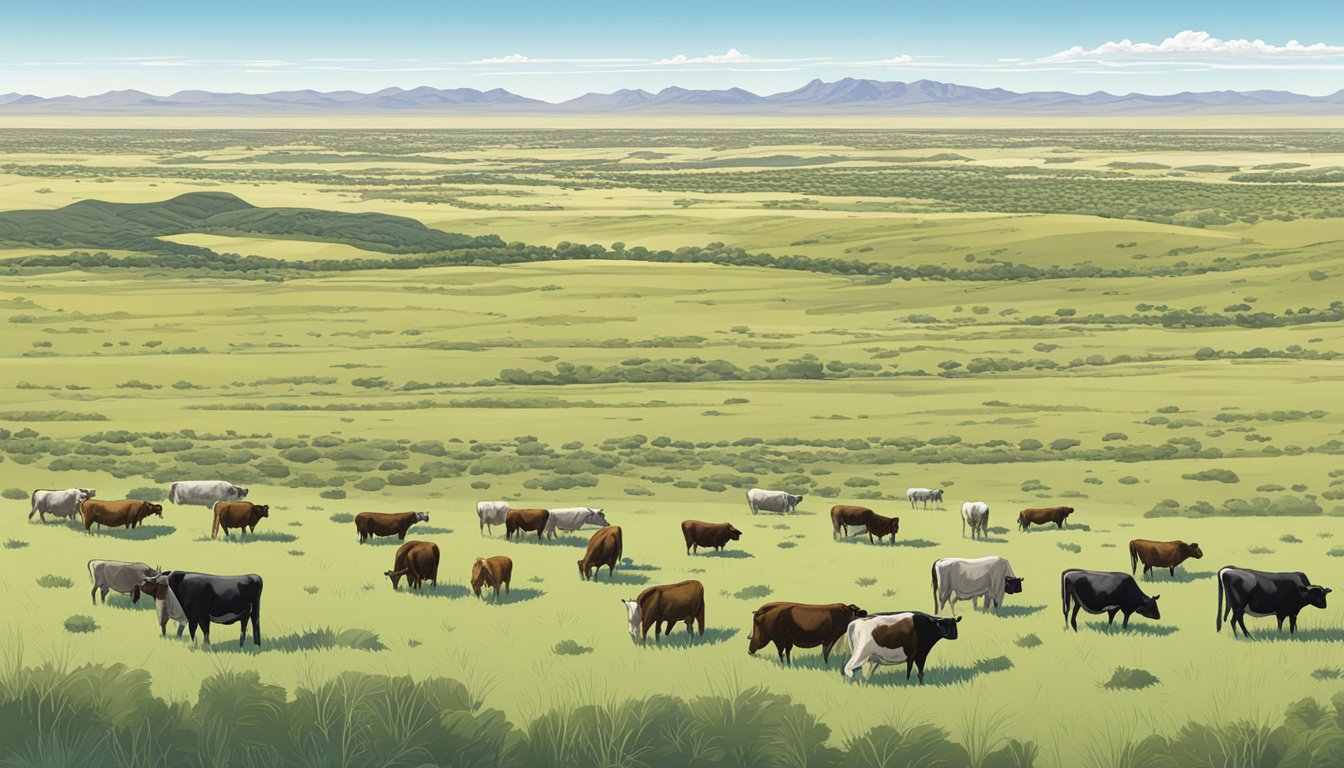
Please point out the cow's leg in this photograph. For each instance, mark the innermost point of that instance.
(611, 571)
(1241, 619)
(103, 597)
(909, 665)
(700, 619)
(1125, 624)
(1173, 571)
(192, 623)
(93, 594)
(205, 630)
(920, 662)
(657, 632)
(1292, 624)
(1280, 617)
(256, 624)
(1073, 620)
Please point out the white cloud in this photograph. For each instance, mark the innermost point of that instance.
(1190, 44)
(512, 58)
(731, 56)
(895, 61)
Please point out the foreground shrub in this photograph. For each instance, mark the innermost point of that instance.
(80, 624)
(1130, 679)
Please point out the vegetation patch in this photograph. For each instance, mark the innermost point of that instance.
(1126, 678)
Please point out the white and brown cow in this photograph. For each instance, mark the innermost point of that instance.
(896, 638)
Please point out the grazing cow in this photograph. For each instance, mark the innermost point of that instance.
(956, 578)
(166, 606)
(418, 561)
(1161, 554)
(716, 535)
(666, 604)
(604, 548)
(790, 625)
(1108, 592)
(117, 576)
(387, 523)
(1043, 516)
(976, 515)
(64, 503)
(220, 599)
(574, 518)
(238, 514)
(491, 513)
(893, 638)
(1281, 595)
(924, 495)
(525, 521)
(204, 493)
(115, 514)
(491, 572)
(843, 516)
(880, 525)
(772, 501)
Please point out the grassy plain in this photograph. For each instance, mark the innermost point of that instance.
(1203, 347)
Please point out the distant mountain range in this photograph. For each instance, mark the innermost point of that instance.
(847, 96)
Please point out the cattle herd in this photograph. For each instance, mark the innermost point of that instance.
(197, 600)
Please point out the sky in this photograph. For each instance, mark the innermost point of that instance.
(556, 50)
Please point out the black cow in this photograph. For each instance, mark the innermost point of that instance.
(1108, 592)
(220, 599)
(1281, 595)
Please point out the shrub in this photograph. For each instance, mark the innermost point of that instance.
(14, 493)
(1125, 678)
(52, 581)
(637, 490)
(15, 544)
(332, 493)
(344, 518)
(1113, 436)
(147, 493)
(1327, 673)
(860, 482)
(1128, 480)
(865, 581)
(1028, 641)
(78, 624)
(753, 592)
(1030, 444)
(480, 485)
(570, 648)
(1064, 443)
(1069, 547)
(1213, 475)
(407, 479)
(376, 483)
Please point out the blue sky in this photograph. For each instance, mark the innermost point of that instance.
(556, 50)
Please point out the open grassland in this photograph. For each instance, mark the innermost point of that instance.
(1161, 353)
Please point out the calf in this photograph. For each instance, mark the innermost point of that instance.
(1043, 516)
(115, 514)
(220, 599)
(1105, 592)
(117, 576)
(790, 625)
(716, 535)
(525, 521)
(668, 603)
(895, 638)
(418, 561)
(66, 503)
(604, 548)
(242, 515)
(491, 572)
(387, 523)
(1259, 593)
(1161, 554)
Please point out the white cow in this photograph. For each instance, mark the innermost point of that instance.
(168, 608)
(956, 578)
(924, 495)
(64, 503)
(976, 515)
(574, 518)
(492, 513)
(205, 493)
(772, 501)
(117, 576)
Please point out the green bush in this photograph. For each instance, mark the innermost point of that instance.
(147, 493)
(570, 648)
(332, 493)
(1213, 475)
(1126, 678)
(1128, 480)
(15, 544)
(1027, 641)
(372, 483)
(80, 624)
(343, 518)
(407, 479)
(52, 581)
(753, 592)
(637, 490)
(15, 493)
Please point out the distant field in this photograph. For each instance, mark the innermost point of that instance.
(1170, 372)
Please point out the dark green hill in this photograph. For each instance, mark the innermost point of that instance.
(138, 226)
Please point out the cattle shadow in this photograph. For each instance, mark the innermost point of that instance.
(681, 639)
(123, 602)
(448, 591)
(234, 538)
(935, 675)
(141, 533)
(1050, 527)
(620, 577)
(385, 541)
(1150, 630)
(1181, 577)
(1268, 634)
(988, 539)
(579, 542)
(1015, 611)
(727, 554)
(629, 566)
(224, 639)
(998, 530)
(915, 543)
(862, 538)
(431, 530)
(520, 595)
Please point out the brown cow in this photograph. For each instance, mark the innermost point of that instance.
(604, 548)
(668, 603)
(716, 535)
(115, 514)
(844, 515)
(491, 572)
(805, 626)
(1043, 516)
(387, 523)
(238, 514)
(418, 561)
(525, 521)
(1161, 554)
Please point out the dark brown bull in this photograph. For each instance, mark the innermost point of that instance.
(790, 625)
(1043, 516)
(491, 572)
(238, 514)
(716, 535)
(387, 523)
(843, 516)
(604, 548)
(525, 521)
(115, 514)
(418, 561)
(666, 604)
(1161, 554)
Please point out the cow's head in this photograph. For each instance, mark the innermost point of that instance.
(261, 510)
(395, 576)
(242, 492)
(153, 509)
(1314, 594)
(581, 573)
(597, 517)
(758, 636)
(422, 517)
(855, 612)
(480, 575)
(86, 494)
(1012, 585)
(946, 628)
(1194, 551)
(884, 525)
(733, 533)
(633, 616)
(1148, 607)
(1065, 511)
(937, 495)
(795, 500)
(155, 588)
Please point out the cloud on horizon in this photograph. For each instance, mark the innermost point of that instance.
(1190, 43)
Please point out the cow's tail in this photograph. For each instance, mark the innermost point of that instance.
(751, 504)
(214, 529)
(91, 576)
(1064, 595)
(934, 573)
(1219, 621)
(34, 510)
(1133, 558)
(172, 494)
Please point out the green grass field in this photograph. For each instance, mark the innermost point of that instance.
(661, 391)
